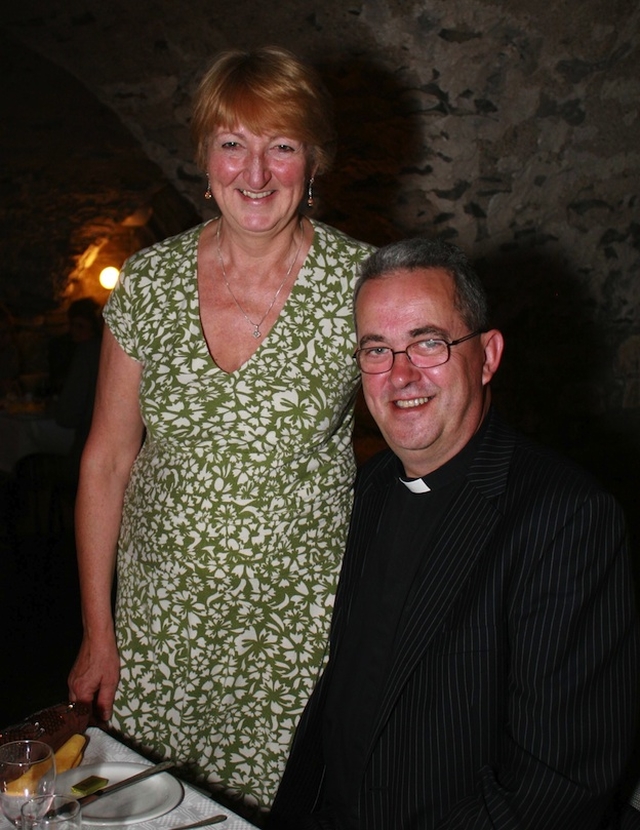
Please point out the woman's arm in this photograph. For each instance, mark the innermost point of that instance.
(113, 443)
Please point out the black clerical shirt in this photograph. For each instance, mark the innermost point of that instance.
(358, 669)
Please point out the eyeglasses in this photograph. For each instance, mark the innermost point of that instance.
(423, 354)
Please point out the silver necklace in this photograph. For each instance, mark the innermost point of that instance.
(256, 326)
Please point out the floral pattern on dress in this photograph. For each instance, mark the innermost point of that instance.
(235, 514)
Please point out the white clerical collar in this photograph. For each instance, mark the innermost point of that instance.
(416, 485)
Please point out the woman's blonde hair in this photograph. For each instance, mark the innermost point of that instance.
(267, 89)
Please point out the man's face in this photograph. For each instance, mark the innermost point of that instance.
(425, 415)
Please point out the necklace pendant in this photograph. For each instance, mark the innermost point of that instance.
(256, 326)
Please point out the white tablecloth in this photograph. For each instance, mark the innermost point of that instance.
(194, 806)
(24, 433)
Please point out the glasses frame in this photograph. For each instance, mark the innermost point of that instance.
(448, 343)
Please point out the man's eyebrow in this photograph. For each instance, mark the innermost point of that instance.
(371, 338)
(432, 331)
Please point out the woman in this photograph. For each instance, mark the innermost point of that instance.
(231, 345)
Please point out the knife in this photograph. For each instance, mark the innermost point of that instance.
(112, 788)
(202, 823)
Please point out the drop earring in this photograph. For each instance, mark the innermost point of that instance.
(310, 192)
(208, 194)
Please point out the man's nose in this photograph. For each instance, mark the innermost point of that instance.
(402, 371)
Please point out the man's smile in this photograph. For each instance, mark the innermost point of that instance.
(411, 402)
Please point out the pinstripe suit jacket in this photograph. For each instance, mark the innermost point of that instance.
(511, 701)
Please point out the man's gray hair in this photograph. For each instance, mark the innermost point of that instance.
(421, 254)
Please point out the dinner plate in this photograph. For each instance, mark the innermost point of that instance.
(143, 801)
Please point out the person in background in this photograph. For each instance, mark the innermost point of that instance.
(42, 486)
(73, 407)
(84, 326)
(483, 669)
(219, 463)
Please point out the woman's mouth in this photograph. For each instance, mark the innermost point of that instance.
(252, 194)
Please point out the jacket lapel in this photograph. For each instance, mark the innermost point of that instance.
(364, 526)
(464, 533)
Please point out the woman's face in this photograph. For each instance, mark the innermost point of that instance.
(258, 181)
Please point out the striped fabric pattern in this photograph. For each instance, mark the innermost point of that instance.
(511, 702)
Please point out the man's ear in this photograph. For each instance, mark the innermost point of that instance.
(493, 345)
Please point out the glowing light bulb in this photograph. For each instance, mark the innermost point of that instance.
(109, 277)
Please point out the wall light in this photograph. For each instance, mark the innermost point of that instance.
(109, 277)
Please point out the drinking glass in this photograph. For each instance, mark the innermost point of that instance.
(51, 812)
(27, 769)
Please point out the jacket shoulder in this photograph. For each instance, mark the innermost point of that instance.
(376, 471)
(536, 479)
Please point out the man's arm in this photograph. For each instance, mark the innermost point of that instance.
(573, 693)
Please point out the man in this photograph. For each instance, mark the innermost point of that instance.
(483, 666)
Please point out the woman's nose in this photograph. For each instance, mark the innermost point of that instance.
(257, 170)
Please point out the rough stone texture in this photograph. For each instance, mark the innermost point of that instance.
(509, 126)
(72, 175)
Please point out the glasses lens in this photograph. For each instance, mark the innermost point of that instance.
(375, 361)
(426, 353)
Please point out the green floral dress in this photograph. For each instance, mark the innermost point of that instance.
(235, 514)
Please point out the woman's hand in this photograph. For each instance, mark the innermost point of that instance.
(95, 674)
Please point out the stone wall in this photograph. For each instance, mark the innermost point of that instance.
(509, 126)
